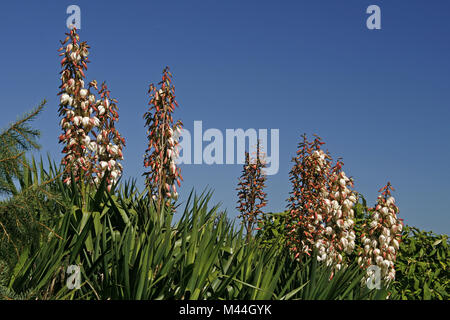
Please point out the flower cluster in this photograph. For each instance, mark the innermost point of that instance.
(163, 136)
(382, 235)
(250, 190)
(109, 143)
(75, 108)
(86, 120)
(339, 236)
(307, 206)
(321, 210)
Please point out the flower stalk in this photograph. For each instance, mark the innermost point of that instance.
(164, 175)
(307, 206)
(382, 235)
(92, 144)
(251, 196)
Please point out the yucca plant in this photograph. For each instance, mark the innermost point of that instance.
(126, 251)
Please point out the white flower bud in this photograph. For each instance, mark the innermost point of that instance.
(95, 121)
(374, 243)
(86, 140)
(114, 174)
(103, 165)
(92, 146)
(379, 260)
(64, 98)
(111, 163)
(390, 200)
(77, 120)
(113, 150)
(85, 121)
(395, 244)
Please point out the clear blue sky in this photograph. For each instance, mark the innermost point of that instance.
(379, 98)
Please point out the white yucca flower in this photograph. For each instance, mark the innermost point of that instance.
(114, 150)
(83, 93)
(114, 174)
(86, 140)
(77, 120)
(111, 163)
(103, 165)
(95, 121)
(85, 121)
(92, 146)
(65, 98)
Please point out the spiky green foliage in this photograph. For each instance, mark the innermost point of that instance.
(126, 251)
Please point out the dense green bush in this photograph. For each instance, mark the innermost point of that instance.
(26, 207)
(423, 266)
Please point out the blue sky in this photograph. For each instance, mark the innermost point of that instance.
(378, 98)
